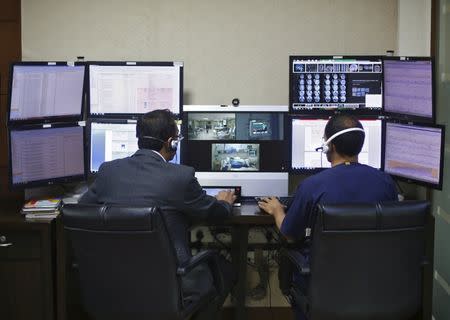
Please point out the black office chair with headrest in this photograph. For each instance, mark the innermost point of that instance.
(365, 262)
(127, 264)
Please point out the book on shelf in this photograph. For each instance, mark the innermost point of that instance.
(42, 207)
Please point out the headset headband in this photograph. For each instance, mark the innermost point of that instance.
(342, 132)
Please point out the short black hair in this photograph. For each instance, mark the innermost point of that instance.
(159, 124)
(350, 143)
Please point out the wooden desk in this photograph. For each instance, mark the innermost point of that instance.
(26, 268)
(242, 220)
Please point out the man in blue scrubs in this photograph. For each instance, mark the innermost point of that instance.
(346, 181)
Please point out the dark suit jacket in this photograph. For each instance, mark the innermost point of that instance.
(145, 179)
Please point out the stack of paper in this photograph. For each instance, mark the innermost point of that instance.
(42, 208)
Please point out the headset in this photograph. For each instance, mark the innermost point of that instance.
(325, 144)
(173, 145)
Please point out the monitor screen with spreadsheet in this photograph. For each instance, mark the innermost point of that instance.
(125, 90)
(46, 155)
(307, 136)
(110, 140)
(415, 152)
(408, 88)
(45, 91)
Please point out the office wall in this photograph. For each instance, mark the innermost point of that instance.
(414, 28)
(231, 48)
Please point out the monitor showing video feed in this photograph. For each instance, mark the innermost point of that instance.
(124, 89)
(41, 156)
(46, 91)
(114, 140)
(408, 88)
(234, 126)
(320, 83)
(235, 157)
(307, 134)
(415, 152)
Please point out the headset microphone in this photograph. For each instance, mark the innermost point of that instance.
(173, 145)
(325, 145)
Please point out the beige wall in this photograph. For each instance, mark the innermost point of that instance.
(234, 48)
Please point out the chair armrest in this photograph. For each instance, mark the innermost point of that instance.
(203, 257)
(298, 261)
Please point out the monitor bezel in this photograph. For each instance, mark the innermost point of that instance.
(51, 119)
(438, 185)
(311, 171)
(410, 117)
(52, 181)
(329, 112)
(132, 116)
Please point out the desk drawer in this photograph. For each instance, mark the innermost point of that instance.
(20, 245)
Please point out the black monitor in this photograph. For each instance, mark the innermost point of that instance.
(46, 92)
(245, 141)
(306, 135)
(114, 139)
(320, 84)
(127, 89)
(46, 154)
(408, 88)
(415, 152)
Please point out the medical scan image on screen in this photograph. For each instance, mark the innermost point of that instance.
(307, 136)
(235, 126)
(413, 152)
(111, 141)
(326, 83)
(235, 157)
(133, 89)
(41, 91)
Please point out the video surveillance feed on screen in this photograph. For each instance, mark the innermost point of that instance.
(235, 126)
(235, 157)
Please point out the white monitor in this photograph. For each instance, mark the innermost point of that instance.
(40, 92)
(132, 89)
(307, 136)
(111, 141)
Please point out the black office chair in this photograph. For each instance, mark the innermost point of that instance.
(128, 266)
(365, 262)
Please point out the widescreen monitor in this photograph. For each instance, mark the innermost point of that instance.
(46, 91)
(324, 83)
(114, 140)
(415, 152)
(125, 90)
(42, 155)
(408, 88)
(307, 134)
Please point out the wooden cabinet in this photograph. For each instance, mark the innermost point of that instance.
(26, 269)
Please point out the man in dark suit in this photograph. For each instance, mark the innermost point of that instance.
(148, 179)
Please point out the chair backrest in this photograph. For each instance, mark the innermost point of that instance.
(126, 262)
(366, 261)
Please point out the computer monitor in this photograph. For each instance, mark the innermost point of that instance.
(415, 152)
(324, 83)
(43, 155)
(114, 139)
(408, 88)
(46, 92)
(306, 137)
(127, 89)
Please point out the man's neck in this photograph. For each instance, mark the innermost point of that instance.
(338, 159)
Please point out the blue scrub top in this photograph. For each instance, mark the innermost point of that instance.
(344, 183)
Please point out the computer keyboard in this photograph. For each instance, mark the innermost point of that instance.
(285, 201)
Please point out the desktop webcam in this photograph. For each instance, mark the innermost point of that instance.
(235, 102)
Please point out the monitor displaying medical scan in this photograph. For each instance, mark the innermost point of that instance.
(335, 82)
(44, 92)
(307, 137)
(415, 152)
(235, 157)
(127, 90)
